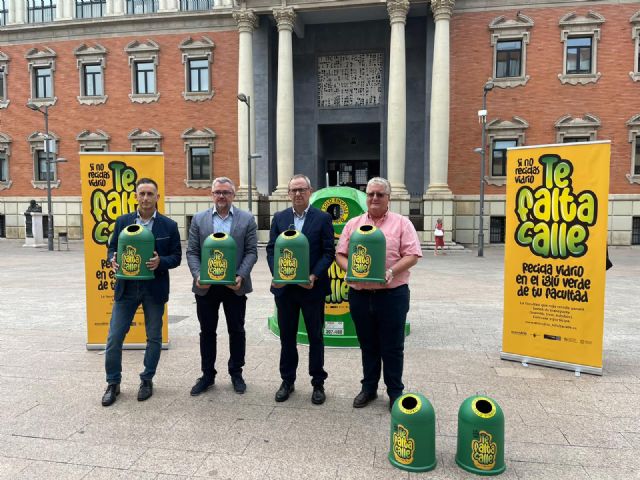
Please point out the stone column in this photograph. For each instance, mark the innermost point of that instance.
(247, 22)
(439, 130)
(397, 101)
(64, 10)
(118, 7)
(285, 17)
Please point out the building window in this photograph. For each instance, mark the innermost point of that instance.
(5, 154)
(499, 156)
(197, 57)
(140, 7)
(579, 55)
(43, 162)
(199, 163)
(145, 141)
(635, 231)
(509, 38)
(634, 139)
(91, 62)
(188, 5)
(570, 129)
(36, 140)
(42, 66)
(199, 147)
(3, 12)
(4, 73)
(501, 135)
(580, 35)
(90, 8)
(97, 141)
(39, 11)
(143, 61)
(496, 229)
(635, 34)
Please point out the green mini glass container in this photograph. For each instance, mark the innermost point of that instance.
(367, 255)
(291, 258)
(218, 260)
(135, 249)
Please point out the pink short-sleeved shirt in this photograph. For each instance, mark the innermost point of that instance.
(402, 240)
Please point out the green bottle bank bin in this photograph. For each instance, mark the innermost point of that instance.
(413, 434)
(135, 249)
(367, 255)
(291, 258)
(480, 436)
(218, 260)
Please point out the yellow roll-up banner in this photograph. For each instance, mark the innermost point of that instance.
(108, 191)
(555, 253)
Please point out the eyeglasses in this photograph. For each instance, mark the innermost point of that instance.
(298, 190)
(222, 193)
(376, 194)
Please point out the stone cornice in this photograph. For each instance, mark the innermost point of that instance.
(442, 9)
(247, 20)
(398, 10)
(285, 16)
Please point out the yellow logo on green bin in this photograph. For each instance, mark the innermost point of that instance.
(131, 261)
(287, 265)
(403, 446)
(217, 266)
(360, 262)
(484, 451)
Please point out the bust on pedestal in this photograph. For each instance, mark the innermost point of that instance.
(34, 233)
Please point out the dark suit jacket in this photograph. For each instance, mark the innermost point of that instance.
(167, 245)
(318, 229)
(243, 231)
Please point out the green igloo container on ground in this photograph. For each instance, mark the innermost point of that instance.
(291, 258)
(218, 260)
(135, 249)
(413, 434)
(480, 436)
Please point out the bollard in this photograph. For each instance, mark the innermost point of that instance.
(481, 436)
(135, 249)
(413, 434)
(218, 260)
(367, 255)
(291, 258)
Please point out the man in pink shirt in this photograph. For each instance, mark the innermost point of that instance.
(379, 310)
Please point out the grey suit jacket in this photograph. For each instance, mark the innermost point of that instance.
(243, 231)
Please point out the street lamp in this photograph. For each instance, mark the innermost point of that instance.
(482, 115)
(247, 99)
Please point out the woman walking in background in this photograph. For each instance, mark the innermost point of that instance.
(438, 233)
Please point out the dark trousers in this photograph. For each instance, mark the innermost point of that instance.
(234, 309)
(379, 317)
(289, 307)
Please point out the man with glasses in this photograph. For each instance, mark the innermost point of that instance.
(316, 225)
(241, 226)
(379, 311)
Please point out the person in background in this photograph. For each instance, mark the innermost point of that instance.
(438, 234)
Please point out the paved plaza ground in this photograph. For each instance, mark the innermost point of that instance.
(558, 426)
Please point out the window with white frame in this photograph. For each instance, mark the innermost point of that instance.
(580, 35)
(3, 12)
(91, 8)
(141, 7)
(97, 141)
(5, 155)
(197, 58)
(501, 135)
(143, 61)
(509, 39)
(4, 72)
(635, 35)
(145, 140)
(199, 147)
(570, 129)
(634, 139)
(42, 67)
(44, 163)
(40, 11)
(192, 5)
(91, 62)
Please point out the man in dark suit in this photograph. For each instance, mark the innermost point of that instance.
(291, 299)
(152, 294)
(241, 226)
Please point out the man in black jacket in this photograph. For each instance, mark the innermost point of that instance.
(152, 294)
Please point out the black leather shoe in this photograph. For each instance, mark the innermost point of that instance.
(363, 399)
(110, 394)
(391, 402)
(238, 384)
(284, 391)
(145, 391)
(318, 397)
(202, 385)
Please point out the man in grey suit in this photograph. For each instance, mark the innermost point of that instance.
(241, 226)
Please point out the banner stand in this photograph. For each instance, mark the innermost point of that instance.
(551, 363)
